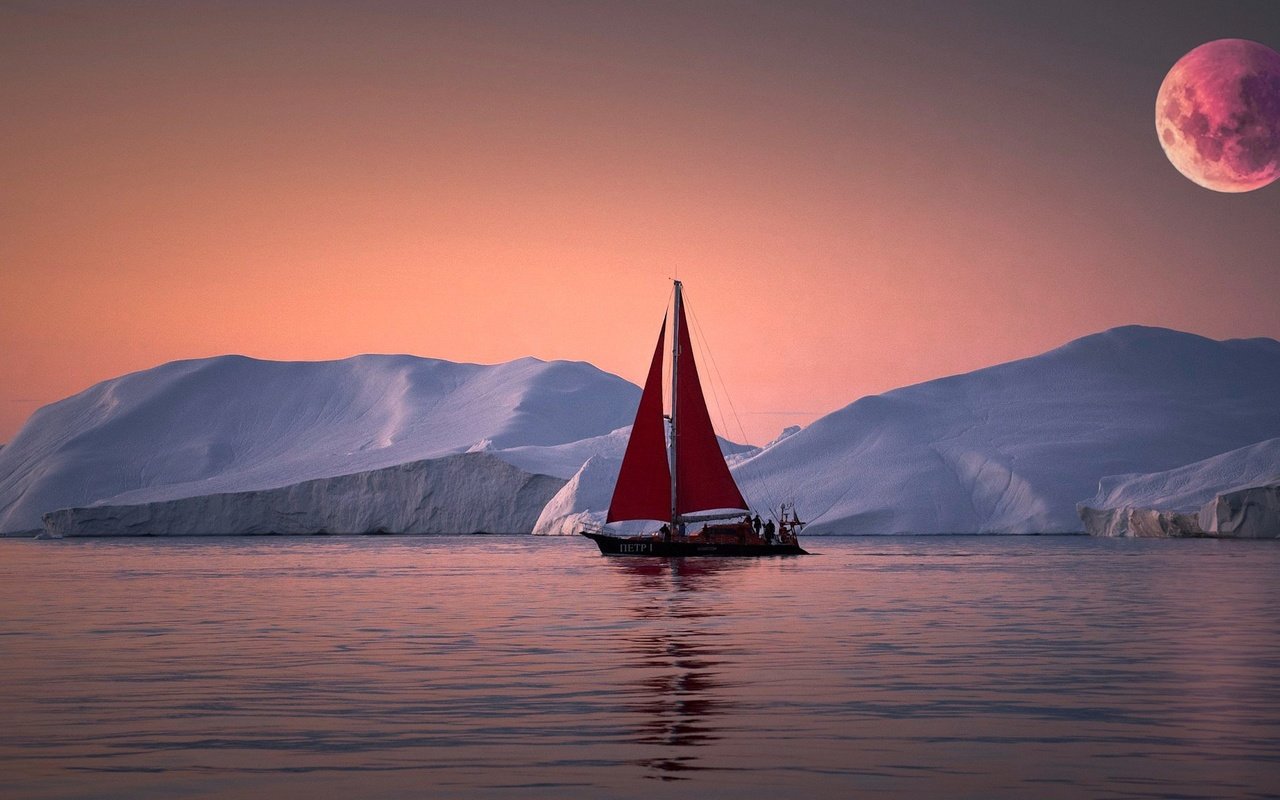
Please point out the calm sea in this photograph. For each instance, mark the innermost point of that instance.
(1027, 667)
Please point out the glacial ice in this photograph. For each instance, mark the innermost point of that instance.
(467, 493)
(1249, 513)
(583, 501)
(1229, 494)
(1012, 448)
(233, 424)
(1007, 449)
(1189, 486)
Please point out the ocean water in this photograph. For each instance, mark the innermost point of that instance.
(519, 667)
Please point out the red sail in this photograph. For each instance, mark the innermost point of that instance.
(702, 478)
(643, 490)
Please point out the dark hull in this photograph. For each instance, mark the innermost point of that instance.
(646, 546)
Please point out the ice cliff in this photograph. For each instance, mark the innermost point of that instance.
(1249, 513)
(468, 493)
(1230, 494)
(584, 500)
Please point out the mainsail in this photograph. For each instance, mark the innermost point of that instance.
(702, 479)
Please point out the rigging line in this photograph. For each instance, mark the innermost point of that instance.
(771, 496)
(831, 505)
(758, 474)
(705, 348)
(700, 342)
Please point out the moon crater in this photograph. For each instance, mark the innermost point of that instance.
(1218, 115)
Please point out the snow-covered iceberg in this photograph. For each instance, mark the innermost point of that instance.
(1012, 448)
(1188, 487)
(233, 424)
(1007, 449)
(468, 493)
(1236, 493)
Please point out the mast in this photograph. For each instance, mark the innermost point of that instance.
(675, 419)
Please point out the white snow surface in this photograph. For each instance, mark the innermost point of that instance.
(1007, 449)
(234, 424)
(467, 493)
(1190, 486)
(1012, 448)
(1229, 494)
(565, 460)
(583, 502)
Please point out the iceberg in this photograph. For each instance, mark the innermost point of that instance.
(583, 501)
(1012, 448)
(1250, 513)
(1006, 449)
(1234, 494)
(231, 424)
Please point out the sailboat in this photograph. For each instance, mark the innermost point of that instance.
(674, 485)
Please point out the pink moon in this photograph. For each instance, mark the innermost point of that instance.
(1218, 115)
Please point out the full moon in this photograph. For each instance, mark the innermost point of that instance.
(1218, 115)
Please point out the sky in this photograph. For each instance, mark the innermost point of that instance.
(857, 196)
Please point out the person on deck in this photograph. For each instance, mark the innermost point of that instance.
(768, 531)
(755, 523)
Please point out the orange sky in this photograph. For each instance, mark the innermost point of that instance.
(857, 197)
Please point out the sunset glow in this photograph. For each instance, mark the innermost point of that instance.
(856, 199)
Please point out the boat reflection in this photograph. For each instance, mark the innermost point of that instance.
(682, 655)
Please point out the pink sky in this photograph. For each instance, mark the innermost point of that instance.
(855, 200)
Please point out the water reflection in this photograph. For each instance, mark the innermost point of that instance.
(511, 667)
(683, 694)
